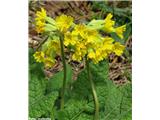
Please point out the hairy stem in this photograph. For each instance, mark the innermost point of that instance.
(96, 117)
(64, 76)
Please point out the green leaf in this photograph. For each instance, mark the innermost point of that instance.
(103, 6)
(81, 104)
(100, 72)
(128, 32)
(36, 88)
(56, 81)
(84, 116)
(118, 103)
(82, 87)
(74, 108)
(115, 102)
(42, 105)
(117, 38)
(31, 58)
(39, 102)
(61, 115)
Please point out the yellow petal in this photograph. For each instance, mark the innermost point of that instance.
(120, 30)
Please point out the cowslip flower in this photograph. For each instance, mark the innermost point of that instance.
(109, 24)
(90, 43)
(96, 55)
(69, 39)
(48, 62)
(91, 36)
(80, 51)
(83, 40)
(40, 20)
(118, 48)
(79, 30)
(108, 44)
(99, 55)
(77, 56)
(40, 15)
(39, 56)
(40, 26)
(55, 44)
(119, 31)
(64, 22)
(51, 48)
(91, 55)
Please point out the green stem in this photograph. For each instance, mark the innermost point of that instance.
(64, 69)
(43, 41)
(96, 117)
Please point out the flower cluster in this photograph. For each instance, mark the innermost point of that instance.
(83, 40)
(63, 22)
(109, 26)
(89, 42)
(40, 57)
(48, 53)
(40, 20)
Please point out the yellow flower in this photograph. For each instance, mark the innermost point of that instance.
(69, 39)
(39, 56)
(40, 20)
(63, 22)
(55, 45)
(91, 36)
(40, 26)
(99, 55)
(49, 62)
(41, 15)
(80, 51)
(118, 48)
(84, 34)
(77, 56)
(107, 44)
(79, 30)
(91, 55)
(96, 55)
(119, 31)
(80, 45)
(109, 23)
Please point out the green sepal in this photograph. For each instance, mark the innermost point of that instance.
(96, 24)
(50, 21)
(50, 28)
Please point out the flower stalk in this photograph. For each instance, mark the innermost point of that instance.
(96, 116)
(64, 73)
